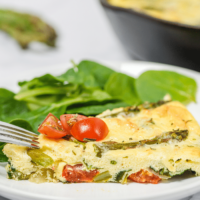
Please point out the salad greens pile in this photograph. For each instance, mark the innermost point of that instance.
(88, 88)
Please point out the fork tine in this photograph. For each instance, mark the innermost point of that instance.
(16, 128)
(19, 143)
(18, 138)
(17, 133)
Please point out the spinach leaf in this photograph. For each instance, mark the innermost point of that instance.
(9, 106)
(120, 175)
(86, 95)
(122, 86)
(3, 157)
(58, 108)
(34, 103)
(5, 95)
(22, 123)
(36, 117)
(44, 85)
(86, 109)
(45, 80)
(89, 73)
(47, 90)
(154, 85)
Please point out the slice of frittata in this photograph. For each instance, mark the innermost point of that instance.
(145, 144)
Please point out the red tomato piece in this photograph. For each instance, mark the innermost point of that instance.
(143, 176)
(76, 174)
(90, 128)
(68, 120)
(52, 127)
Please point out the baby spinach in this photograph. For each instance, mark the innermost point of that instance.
(9, 106)
(89, 73)
(122, 86)
(154, 85)
(120, 175)
(41, 81)
(88, 109)
(5, 95)
(3, 157)
(87, 95)
(36, 117)
(22, 123)
(45, 90)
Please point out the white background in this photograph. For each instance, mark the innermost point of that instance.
(83, 33)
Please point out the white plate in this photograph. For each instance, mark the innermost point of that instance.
(175, 189)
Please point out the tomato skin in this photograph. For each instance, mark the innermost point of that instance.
(76, 174)
(90, 128)
(52, 127)
(144, 176)
(68, 120)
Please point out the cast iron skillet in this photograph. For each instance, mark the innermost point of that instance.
(151, 39)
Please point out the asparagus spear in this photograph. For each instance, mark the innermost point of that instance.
(102, 177)
(26, 28)
(133, 109)
(40, 158)
(177, 135)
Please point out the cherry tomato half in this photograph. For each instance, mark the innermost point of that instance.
(143, 176)
(52, 127)
(76, 174)
(90, 128)
(68, 120)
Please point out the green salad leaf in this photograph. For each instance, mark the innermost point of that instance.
(154, 85)
(10, 107)
(36, 117)
(122, 86)
(22, 123)
(3, 157)
(88, 109)
(89, 73)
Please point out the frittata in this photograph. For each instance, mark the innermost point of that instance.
(144, 144)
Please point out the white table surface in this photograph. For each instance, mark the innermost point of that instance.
(83, 33)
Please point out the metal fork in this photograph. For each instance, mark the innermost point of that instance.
(15, 135)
